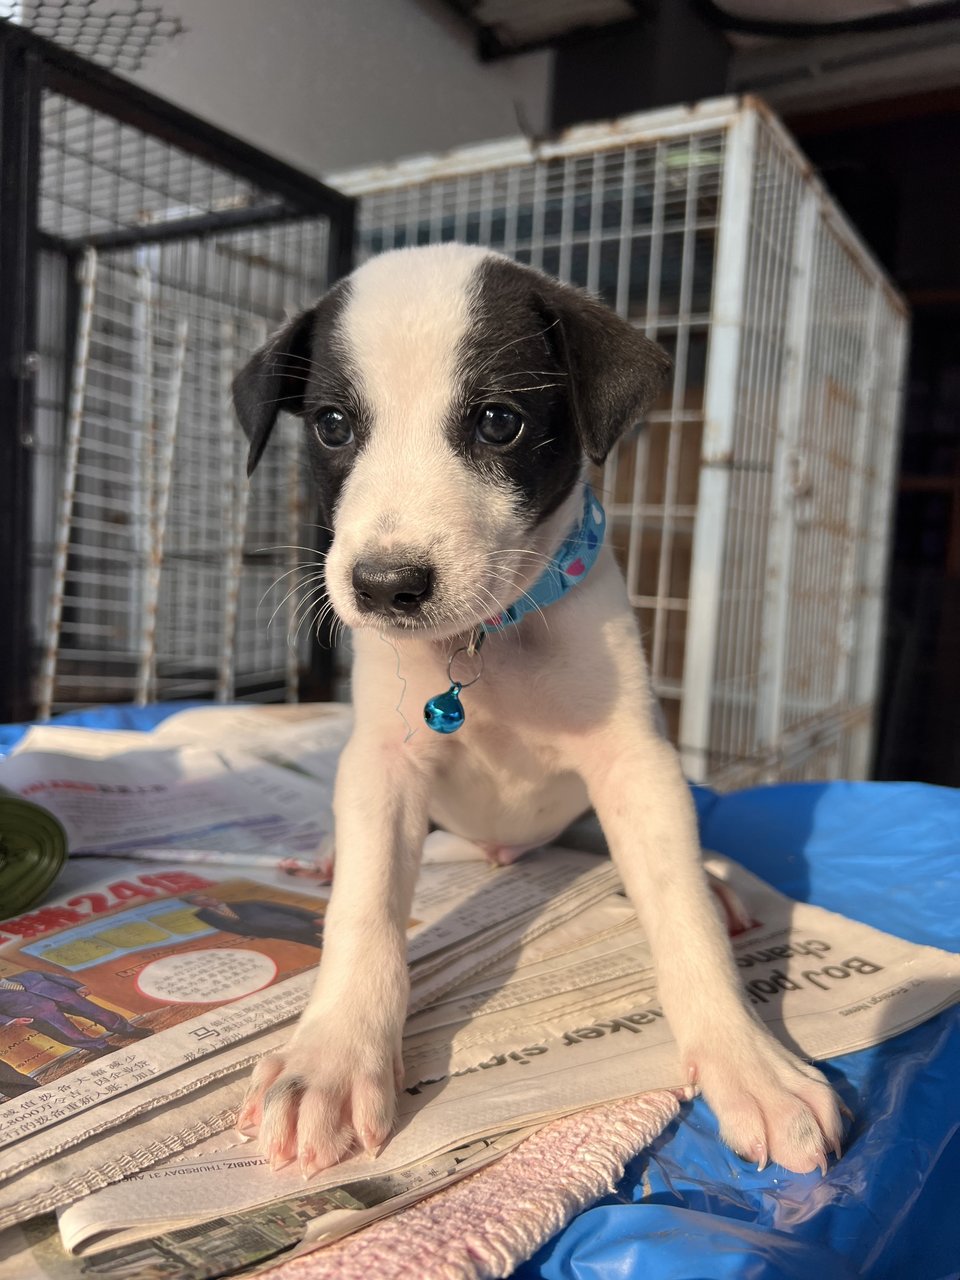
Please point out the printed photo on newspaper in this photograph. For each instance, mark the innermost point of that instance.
(115, 966)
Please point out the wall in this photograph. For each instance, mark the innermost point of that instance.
(332, 84)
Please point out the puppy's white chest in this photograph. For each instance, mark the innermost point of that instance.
(499, 779)
(509, 775)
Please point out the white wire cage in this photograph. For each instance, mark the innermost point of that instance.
(752, 514)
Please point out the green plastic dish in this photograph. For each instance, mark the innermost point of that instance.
(33, 849)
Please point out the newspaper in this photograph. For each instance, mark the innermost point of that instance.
(192, 797)
(232, 1240)
(240, 785)
(142, 990)
(150, 1121)
(332, 1213)
(532, 995)
(824, 984)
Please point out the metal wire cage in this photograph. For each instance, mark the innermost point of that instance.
(752, 515)
(143, 256)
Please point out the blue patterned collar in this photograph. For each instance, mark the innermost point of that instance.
(444, 713)
(571, 564)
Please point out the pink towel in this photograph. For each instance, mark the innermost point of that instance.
(483, 1227)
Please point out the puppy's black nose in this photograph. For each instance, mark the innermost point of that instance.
(390, 588)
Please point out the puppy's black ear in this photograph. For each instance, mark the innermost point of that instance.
(274, 378)
(615, 372)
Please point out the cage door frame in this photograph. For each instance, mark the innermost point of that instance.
(727, 309)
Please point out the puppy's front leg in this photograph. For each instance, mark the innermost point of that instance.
(769, 1104)
(335, 1084)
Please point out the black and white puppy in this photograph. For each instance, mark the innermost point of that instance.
(451, 398)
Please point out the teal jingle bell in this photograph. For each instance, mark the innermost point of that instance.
(444, 713)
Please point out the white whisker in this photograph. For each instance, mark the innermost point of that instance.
(403, 690)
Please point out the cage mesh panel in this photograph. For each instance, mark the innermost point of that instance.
(827, 466)
(825, 760)
(777, 186)
(109, 535)
(50, 394)
(876, 478)
(637, 226)
(230, 290)
(100, 175)
(804, 474)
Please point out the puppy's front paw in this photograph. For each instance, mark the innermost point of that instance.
(327, 1093)
(769, 1104)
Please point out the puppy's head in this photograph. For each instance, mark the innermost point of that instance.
(449, 397)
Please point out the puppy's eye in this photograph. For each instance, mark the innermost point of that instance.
(498, 424)
(334, 429)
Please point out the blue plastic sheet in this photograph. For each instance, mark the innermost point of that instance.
(884, 853)
(887, 854)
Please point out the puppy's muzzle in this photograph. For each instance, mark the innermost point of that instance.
(390, 589)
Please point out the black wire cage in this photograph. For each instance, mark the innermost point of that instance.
(143, 255)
